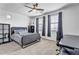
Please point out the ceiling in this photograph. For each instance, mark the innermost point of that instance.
(20, 8)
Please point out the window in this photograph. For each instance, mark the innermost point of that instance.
(40, 25)
(54, 23)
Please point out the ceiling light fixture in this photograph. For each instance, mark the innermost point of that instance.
(34, 8)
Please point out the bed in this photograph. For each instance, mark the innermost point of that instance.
(21, 36)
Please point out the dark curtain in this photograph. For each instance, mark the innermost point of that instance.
(60, 31)
(37, 25)
(49, 26)
(43, 29)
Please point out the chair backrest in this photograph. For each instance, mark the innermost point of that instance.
(58, 38)
(60, 29)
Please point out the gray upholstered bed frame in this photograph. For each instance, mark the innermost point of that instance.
(26, 39)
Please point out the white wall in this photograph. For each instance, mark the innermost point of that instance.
(16, 19)
(71, 20)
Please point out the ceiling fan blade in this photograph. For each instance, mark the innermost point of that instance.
(30, 11)
(28, 7)
(36, 4)
(40, 9)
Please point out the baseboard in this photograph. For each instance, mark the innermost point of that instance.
(48, 38)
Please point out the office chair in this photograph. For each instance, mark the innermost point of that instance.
(58, 38)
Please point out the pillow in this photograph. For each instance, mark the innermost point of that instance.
(20, 31)
(15, 31)
(23, 32)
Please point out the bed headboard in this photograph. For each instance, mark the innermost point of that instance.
(17, 28)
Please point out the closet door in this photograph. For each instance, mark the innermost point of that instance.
(6, 32)
(1, 33)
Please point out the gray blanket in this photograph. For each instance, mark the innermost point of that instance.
(25, 38)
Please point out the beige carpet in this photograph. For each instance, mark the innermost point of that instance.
(44, 47)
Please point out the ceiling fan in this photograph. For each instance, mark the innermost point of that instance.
(34, 8)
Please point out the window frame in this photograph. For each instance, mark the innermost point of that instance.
(40, 24)
(54, 29)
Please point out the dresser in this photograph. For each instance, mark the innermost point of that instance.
(31, 28)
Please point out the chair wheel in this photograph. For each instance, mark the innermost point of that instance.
(57, 50)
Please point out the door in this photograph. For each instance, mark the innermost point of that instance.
(54, 26)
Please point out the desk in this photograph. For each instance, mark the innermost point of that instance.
(71, 41)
